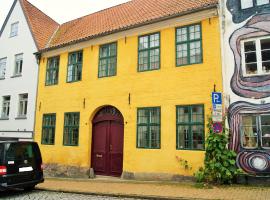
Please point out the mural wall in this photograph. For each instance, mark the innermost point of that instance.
(246, 34)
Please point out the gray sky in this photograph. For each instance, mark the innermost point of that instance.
(62, 10)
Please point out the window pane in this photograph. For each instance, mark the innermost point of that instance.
(265, 124)
(154, 134)
(2, 67)
(154, 40)
(143, 42)
(198, 135)
(154, 59)
(251, 68)
(154, 116)
(249, 132)
(183, 137)
(262, 2)
(195, 52)
(195, 32)
(182, 54)
(142, 137)
(183, 115)
(181, 35)
(246, 4)
(142, 116)
(197, 114)
(143, 61)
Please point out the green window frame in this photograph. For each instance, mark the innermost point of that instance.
(189, 45)
(149, 52)
(48, 129)
(148, 128)
(74, 69)
(190, 127)
(52, 71)
(71, 129)
(107, 60)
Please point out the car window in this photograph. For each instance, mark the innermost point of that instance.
(21, 154)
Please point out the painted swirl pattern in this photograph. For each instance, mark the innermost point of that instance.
(255, 87)
(254, 162)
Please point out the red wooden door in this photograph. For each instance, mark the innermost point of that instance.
(107, 143)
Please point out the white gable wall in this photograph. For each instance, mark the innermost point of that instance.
(27, 83)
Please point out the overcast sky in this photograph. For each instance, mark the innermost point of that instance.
(62, 10)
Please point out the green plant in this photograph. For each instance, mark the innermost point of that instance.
(183, 163)
(220, 162)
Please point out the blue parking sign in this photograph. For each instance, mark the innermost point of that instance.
(216, 98)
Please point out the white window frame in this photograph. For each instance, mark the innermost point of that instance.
(23, 101)
(14, 28)
(5, 107)
(262, 3)
(243, 4)
(18, 64)
(258, 55)
(259, 130)
(3, 65)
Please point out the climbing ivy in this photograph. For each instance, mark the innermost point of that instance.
(220, 162)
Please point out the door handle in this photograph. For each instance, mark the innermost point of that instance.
(110, 147)
(99, 156)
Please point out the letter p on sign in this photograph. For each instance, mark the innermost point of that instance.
(216, 98)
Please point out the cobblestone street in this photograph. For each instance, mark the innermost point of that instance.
(42, 195)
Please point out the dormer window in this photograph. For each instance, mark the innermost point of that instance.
(14, 29)
(245, 4)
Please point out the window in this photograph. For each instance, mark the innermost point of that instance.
(251, 3)
(74, 66)
(23, 101)
(149, 52)
(52, 71)
(3, 62)
(107, 60)
(18, 64)
(188, 45)
(48, 129)
(14, 29)
(148, 128)
(256, 56)
(262, 2)
(190, 127)
(71, 129)
(255, 131)
(5, 107)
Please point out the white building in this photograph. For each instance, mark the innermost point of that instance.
(25, 30)
(246, 77)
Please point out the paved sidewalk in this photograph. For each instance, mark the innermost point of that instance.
(154, 190)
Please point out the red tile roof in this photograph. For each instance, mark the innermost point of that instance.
(41, 25)
(122, 17)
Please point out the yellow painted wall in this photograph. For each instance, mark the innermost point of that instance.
(167, 87)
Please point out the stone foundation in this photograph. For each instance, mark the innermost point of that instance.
(56, 170)
(155, 177)
(64, 171)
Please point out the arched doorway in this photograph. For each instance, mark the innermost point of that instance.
(108, 142)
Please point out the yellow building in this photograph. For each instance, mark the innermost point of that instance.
(127, 90)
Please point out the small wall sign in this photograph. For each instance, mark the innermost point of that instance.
(218, 128)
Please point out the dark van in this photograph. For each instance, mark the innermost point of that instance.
(20, 165)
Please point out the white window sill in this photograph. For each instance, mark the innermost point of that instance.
(4, 118)
(20, 118)
(16, 76)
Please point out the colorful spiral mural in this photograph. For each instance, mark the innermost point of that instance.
(255, 87)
